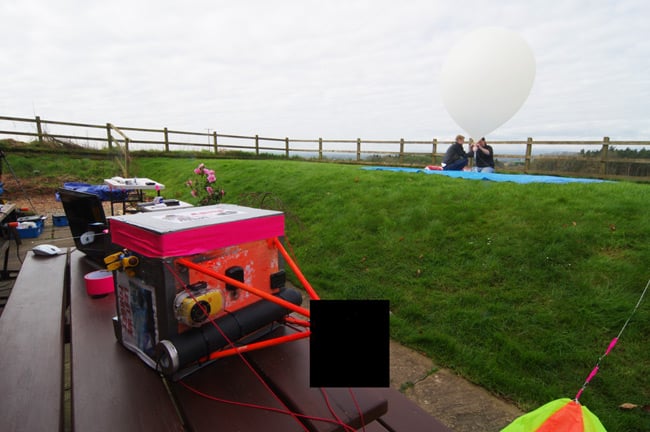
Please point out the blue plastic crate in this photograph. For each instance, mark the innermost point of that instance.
(26, 233)
(59, 220)
(33, 232)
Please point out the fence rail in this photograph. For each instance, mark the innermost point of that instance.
(529, 156)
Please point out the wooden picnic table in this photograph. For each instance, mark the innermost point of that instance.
(111, 389)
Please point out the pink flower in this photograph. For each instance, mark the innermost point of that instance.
(203, 187)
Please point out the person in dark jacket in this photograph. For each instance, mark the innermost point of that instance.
(483, 156)
(455, 158)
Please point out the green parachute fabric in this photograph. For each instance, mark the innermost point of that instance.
(561, 415)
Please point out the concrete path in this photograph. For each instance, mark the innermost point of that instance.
(459, 404)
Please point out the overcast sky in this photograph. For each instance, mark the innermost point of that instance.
(307, 69)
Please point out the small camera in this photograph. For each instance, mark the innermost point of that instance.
(196, 308)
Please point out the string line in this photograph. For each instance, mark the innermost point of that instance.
(594, 371)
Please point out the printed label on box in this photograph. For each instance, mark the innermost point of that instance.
(136, 304)
(207, 215)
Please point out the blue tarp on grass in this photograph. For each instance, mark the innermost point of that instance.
(496, 177)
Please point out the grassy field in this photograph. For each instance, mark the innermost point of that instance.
(519, 288)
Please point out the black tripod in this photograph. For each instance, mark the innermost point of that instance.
(9, 233)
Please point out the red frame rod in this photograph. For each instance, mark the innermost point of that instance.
(292, 320)
(296, 270)
(256, 345)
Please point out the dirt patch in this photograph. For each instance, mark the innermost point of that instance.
(43, 204)
(32, 194)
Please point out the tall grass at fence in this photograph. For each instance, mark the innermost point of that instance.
(519, 288)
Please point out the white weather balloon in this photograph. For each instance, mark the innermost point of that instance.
(486, 78)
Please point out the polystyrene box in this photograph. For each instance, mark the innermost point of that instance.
(223, 238)
(188, 231)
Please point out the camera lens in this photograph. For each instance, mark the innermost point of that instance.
(200, 311)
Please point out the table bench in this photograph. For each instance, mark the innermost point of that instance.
(7, 235)
(31, 357)
(112, 389)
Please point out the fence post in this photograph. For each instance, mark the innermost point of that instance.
(603, 156)
(320, 148)
(401, 151)
(166, 133)
(126, 157)
(109, 137)
(529, 152)
(214, 140)
(286, 147)
(257, 145)
(39, 130)
(358, 149)
(434, 150)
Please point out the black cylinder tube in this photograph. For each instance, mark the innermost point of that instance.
(180, 350)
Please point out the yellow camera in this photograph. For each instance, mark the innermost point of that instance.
(199, 307)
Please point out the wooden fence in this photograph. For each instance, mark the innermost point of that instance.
(529, 156)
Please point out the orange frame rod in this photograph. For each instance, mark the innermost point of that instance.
(257, 345)
(296, 270)
(266, 296)
(293, 320)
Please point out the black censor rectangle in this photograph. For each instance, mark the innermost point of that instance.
(349, 343)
